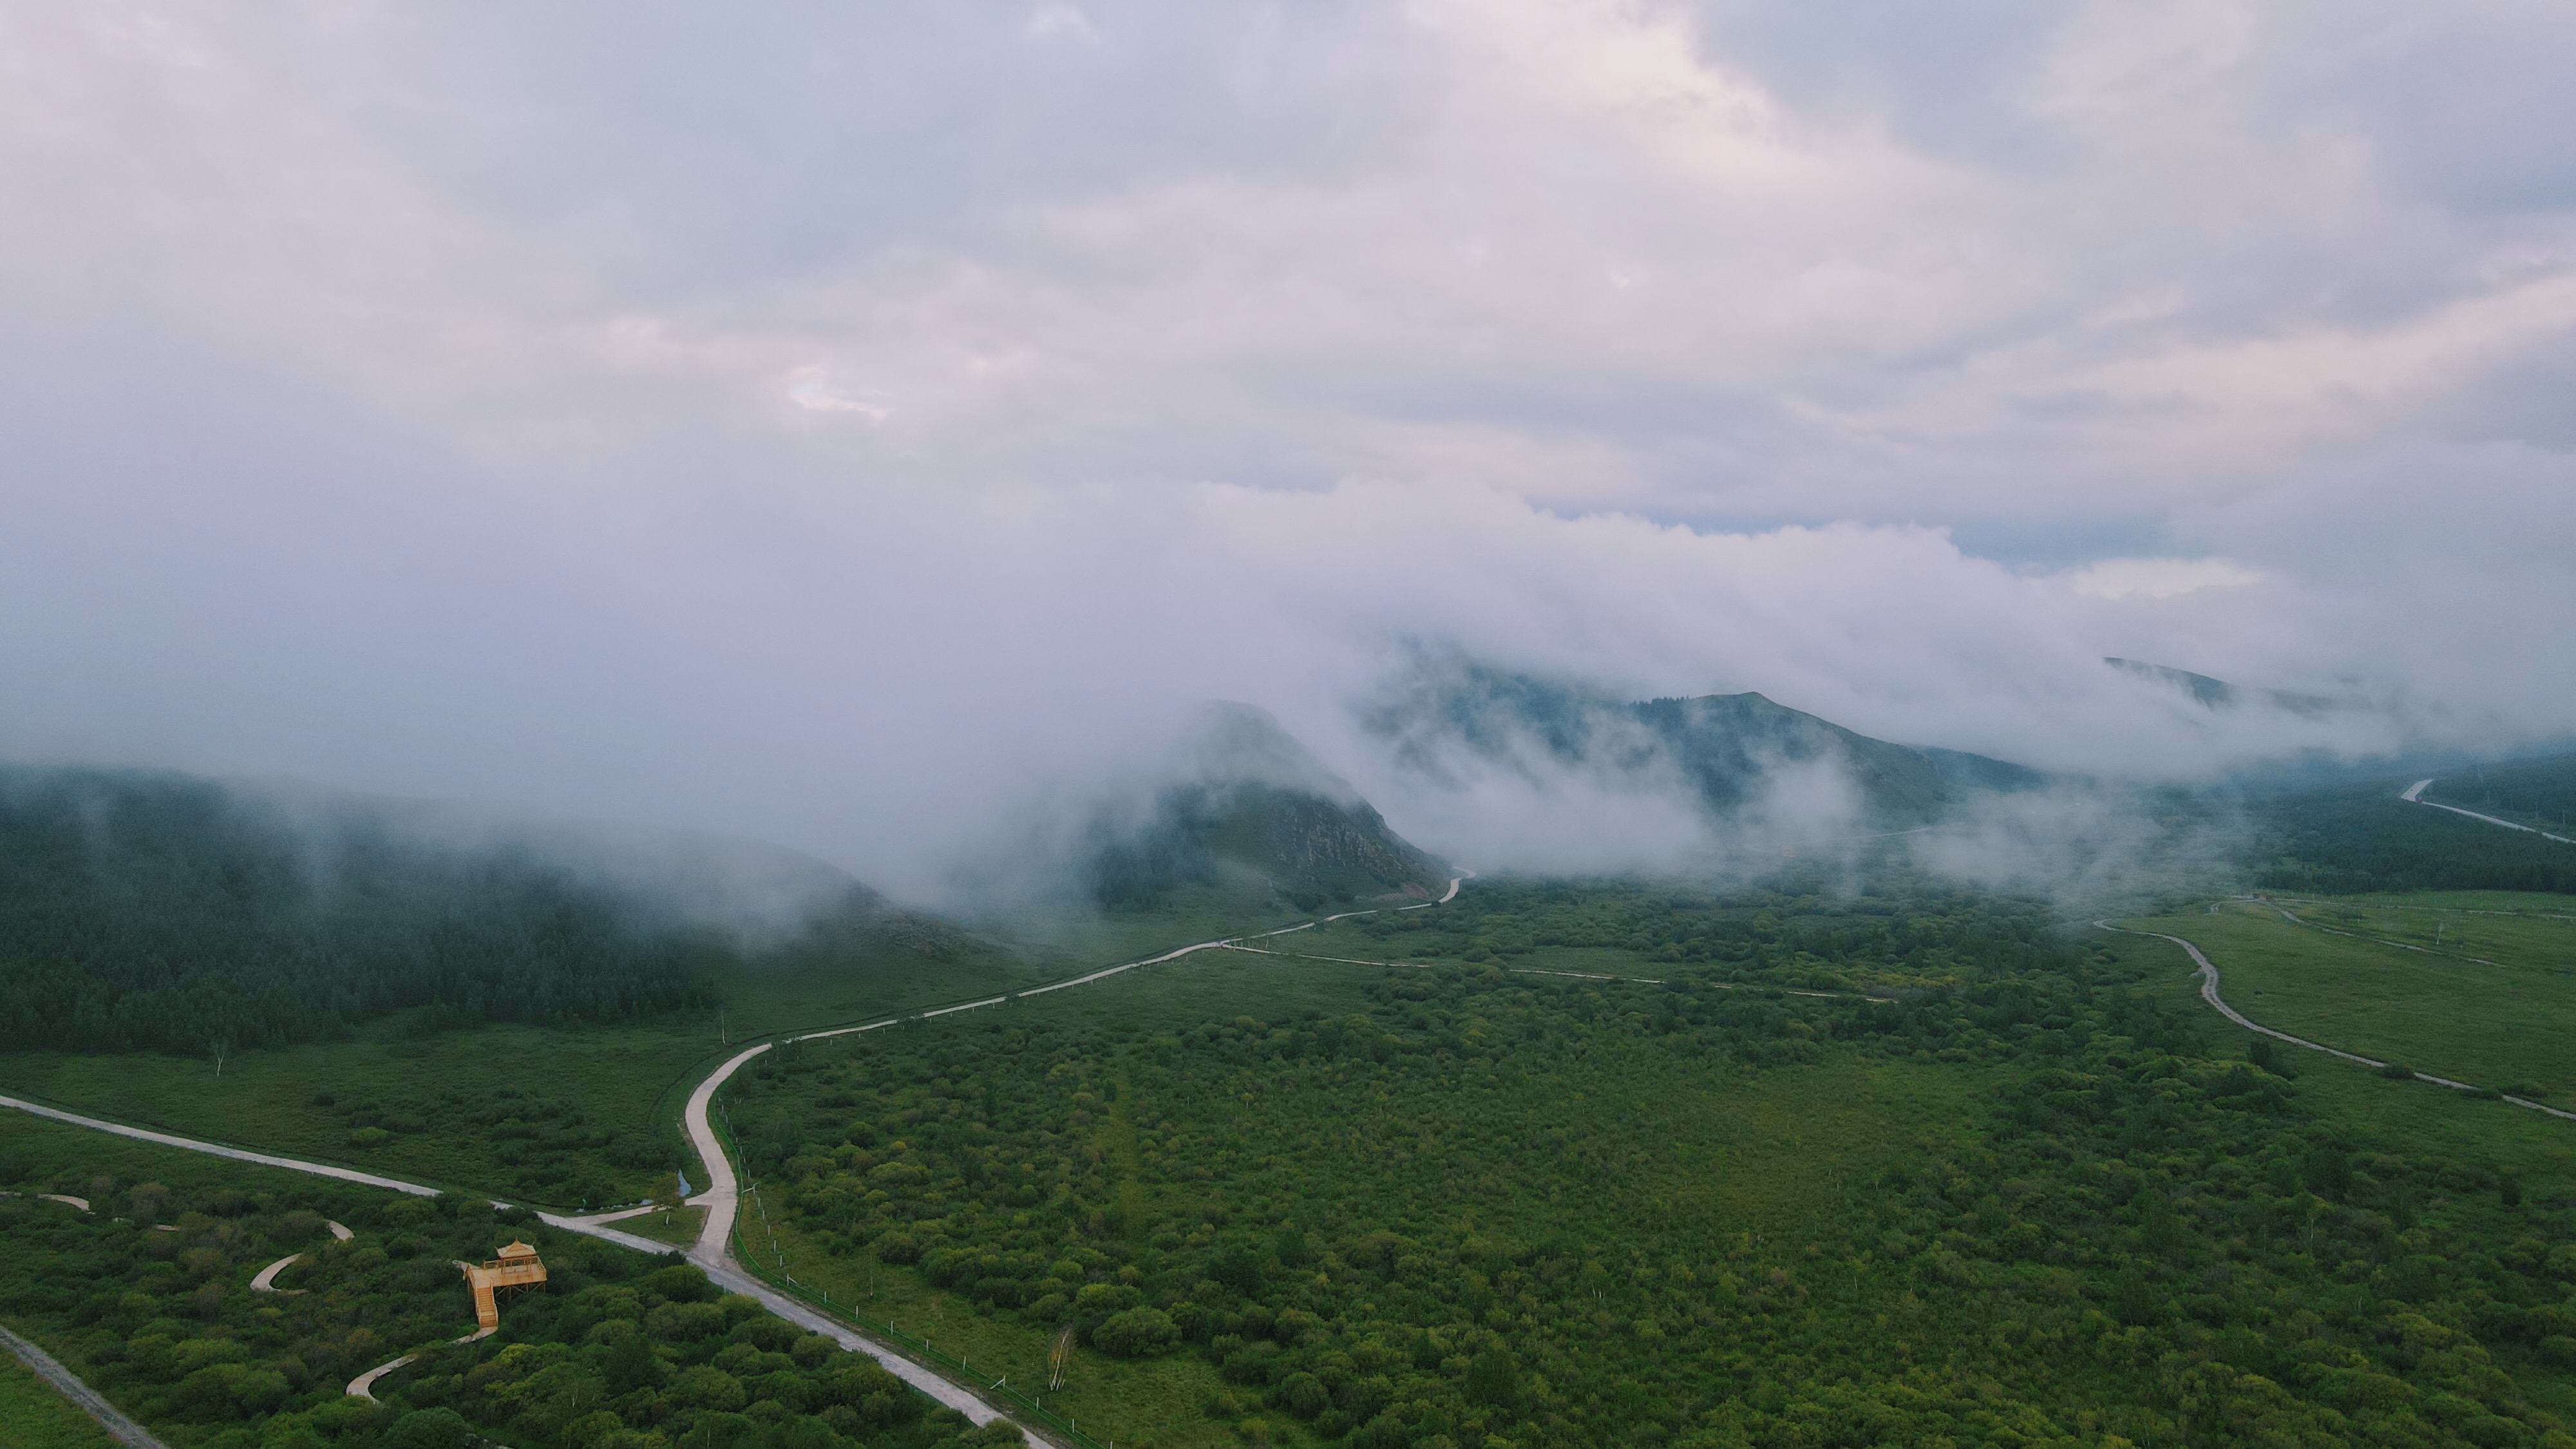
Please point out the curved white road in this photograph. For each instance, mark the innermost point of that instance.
(2209, 993)
(2415, 792)
(712, 1252)
(238, 1154)
(266, 1281)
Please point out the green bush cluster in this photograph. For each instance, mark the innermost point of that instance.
(1447, 1220)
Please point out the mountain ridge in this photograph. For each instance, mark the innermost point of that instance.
(1727, 748)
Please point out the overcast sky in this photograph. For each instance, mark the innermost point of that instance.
(812, 420)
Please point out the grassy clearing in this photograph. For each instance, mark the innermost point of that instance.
(33, 1416)
(2508, 903)
(2542, 936)
(678, 1227)
(42, 1156)
(561, 1118)
(2540, 1151)
(1065, 943)
(2501, 1025)
(552, 1117)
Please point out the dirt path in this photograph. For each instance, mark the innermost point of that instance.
(120, 1428)
(2209, 993)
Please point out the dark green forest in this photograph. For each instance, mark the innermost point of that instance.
(1892, 930)
(156, 912)
(1438, 1219)
(2536, 792)
(618, 1351)
(2362, 839)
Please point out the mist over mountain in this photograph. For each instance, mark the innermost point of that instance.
(1247, 800)
(1728, 754)
(161, 911)
(2218, 694)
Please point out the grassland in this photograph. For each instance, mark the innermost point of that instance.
(558, 1117)
(2418, 1117)
(1286, 1201)
(33, 1416)
(2509, 903)
(577, 1116)
(678, 1227)
(2492, 1004)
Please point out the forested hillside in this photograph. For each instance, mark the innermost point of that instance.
(1247, 800)
(157, 912)
(2354, 839)
(1309, 847)
(2539, 792)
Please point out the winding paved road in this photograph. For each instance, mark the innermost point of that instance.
(238, 1154)
(2415, 792)
(2209, 993)
(713, 1251)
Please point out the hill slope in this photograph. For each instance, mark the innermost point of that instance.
(160, 912)
(1249, 800)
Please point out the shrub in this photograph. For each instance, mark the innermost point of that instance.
(707, 1387)
(1135, 1333)
(428, 1429)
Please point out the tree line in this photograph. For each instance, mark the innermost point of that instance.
(2349, 841)
(160, 913)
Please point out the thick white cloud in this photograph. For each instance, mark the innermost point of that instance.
(813, 421)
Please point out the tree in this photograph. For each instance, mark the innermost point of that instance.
(429, 1429)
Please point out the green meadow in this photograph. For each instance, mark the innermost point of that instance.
(33, 1416)
(560, 1117)
(2493, 1004)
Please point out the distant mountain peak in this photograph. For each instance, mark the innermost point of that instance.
(1235, 743)
(1246, 797)
(1729, 749)
(2218, 694)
